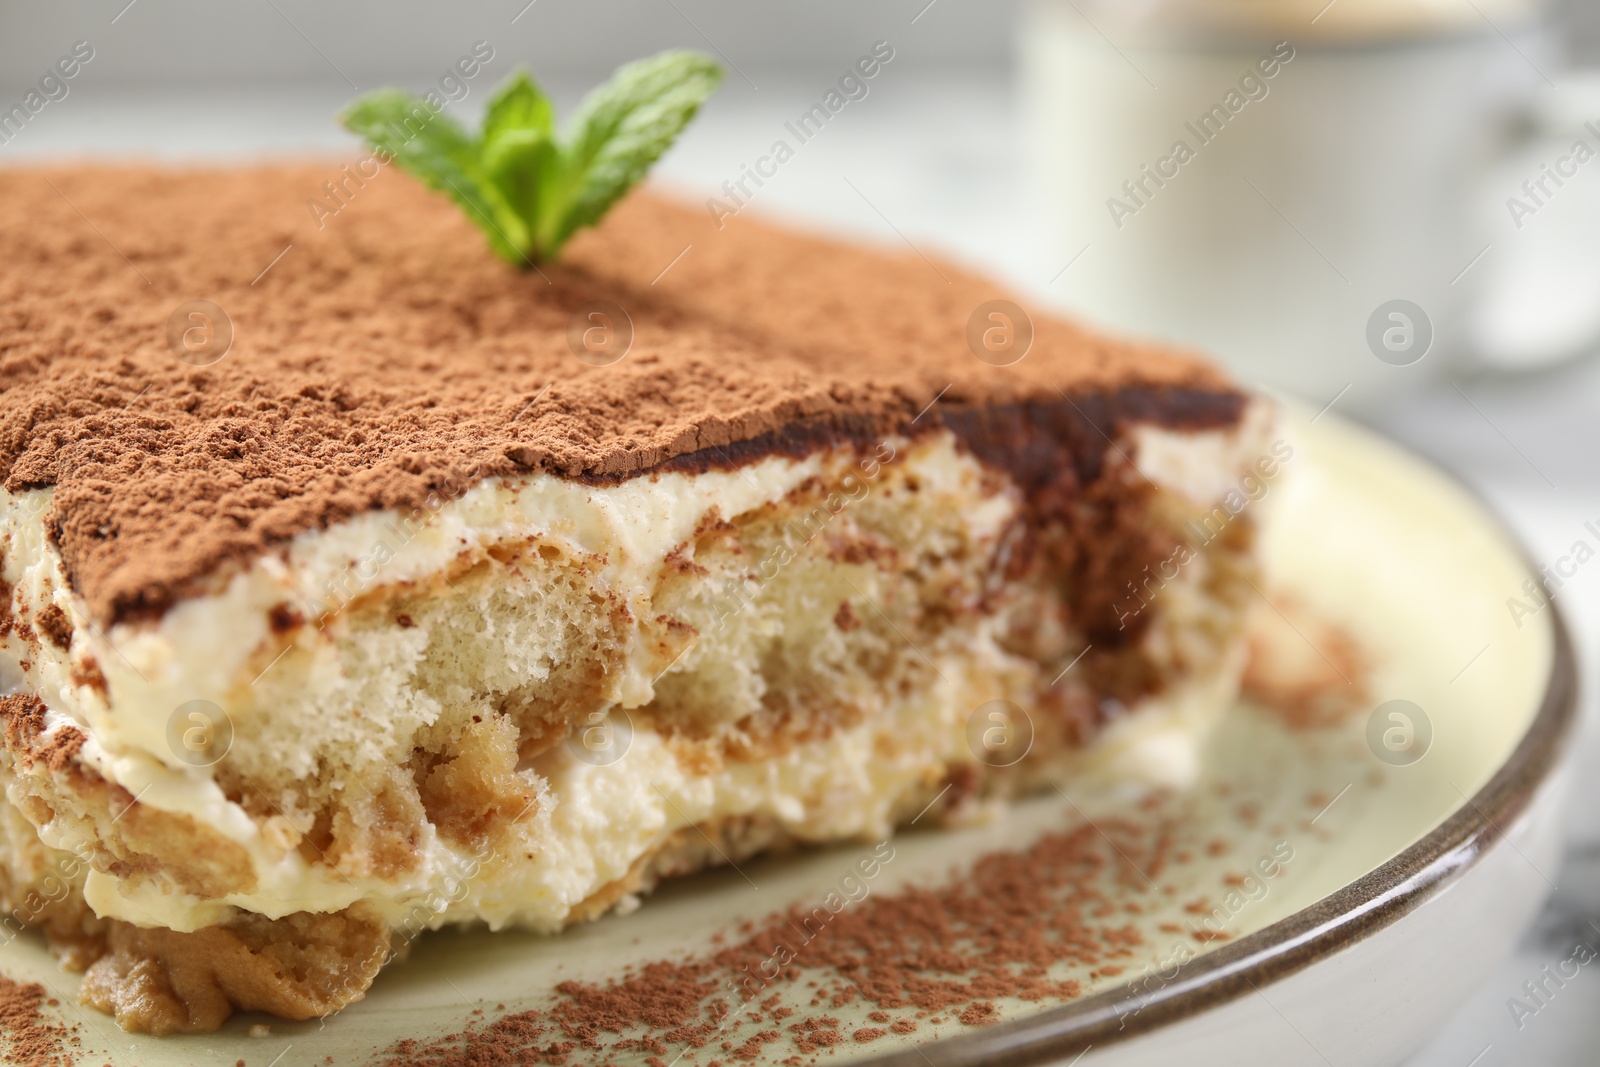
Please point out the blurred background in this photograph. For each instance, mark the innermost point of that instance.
(1379, 207)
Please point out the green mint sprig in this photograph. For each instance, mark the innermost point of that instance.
(528, 188)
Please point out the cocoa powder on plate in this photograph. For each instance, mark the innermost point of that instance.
(1000, 929)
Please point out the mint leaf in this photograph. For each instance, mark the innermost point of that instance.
(519, 104)
(526, 187)
(519, 151)
(430, 146)
(621, 129)
(522, 163)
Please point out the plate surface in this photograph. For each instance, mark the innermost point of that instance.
(1377, 915)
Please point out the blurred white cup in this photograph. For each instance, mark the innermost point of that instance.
(1318, 194)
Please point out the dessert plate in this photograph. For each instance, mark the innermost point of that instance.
(1327, 892)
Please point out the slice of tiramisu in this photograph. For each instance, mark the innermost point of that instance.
(355, 583)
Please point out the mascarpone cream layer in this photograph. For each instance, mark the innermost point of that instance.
(594, 821)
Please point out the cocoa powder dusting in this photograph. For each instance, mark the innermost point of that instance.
(998, 929)
(388, 356)
(56, 627)
(28, 1037)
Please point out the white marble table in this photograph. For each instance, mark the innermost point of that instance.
(938, 164)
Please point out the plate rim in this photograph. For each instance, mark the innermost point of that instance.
(1369, 904)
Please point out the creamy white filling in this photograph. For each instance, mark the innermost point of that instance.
(598, 819)
(1205, 467)
(604, 818)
